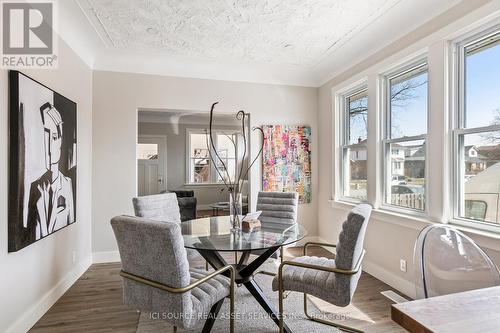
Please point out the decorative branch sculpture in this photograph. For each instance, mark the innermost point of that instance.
(233, 188)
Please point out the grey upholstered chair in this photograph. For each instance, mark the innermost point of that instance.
(332, 280)
(278, 209)
(158, 207)
(157, 276)
(187, 203)
(161, 207)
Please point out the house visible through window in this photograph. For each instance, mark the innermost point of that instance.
(477, 131)
(405, 137)
(354, 139)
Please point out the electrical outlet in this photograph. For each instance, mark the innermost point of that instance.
(402, 265)
(74, 257)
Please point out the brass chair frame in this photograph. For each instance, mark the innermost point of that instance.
(281, 256)
(158, 285)
(356, 269)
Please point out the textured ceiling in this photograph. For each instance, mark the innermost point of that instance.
(297, 32)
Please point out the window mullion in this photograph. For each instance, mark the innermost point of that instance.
(213, 166)
(406, 139)
(346, 122)
(477, 130)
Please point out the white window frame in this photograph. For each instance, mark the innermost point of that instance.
(387, 141)
(213, 172)
(344, 140)
(225, 159)
(459, 131)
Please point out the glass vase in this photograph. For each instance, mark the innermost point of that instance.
(235, 210)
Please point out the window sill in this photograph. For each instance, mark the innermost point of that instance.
(416, 222)
(342, 204)
(476, 231)
(204, 185)
(348, 201)
(484, 238)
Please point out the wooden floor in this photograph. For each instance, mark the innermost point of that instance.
(94, 303)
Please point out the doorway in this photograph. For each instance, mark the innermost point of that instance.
(151, 164)
(190, 169)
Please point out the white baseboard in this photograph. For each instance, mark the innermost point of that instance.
(105, 256)
(36, 311)
(402, 285)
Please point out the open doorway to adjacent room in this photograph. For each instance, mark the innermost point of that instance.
(173, 155)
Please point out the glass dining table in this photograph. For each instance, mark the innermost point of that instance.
(212, 236)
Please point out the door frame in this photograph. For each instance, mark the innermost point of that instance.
(255, 172)
(161, 140)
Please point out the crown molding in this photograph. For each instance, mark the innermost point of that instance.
(78, 31)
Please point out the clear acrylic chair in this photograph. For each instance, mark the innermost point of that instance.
(447, 261)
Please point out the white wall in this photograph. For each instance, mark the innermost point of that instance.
(117, 98)
(36, 276)
(176, 160)
(392, 236)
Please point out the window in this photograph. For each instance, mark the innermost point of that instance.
(354, 138)
(477, 130)
(199, 159)
(200, 166)
(405, 137)
(475, 209)
(147, 151)
(226, 147)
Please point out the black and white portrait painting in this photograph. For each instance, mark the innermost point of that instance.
(42, 189)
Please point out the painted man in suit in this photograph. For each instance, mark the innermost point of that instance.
(51, 196)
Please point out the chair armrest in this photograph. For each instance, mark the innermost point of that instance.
(353, 271)
(317, 243)
(181, 290)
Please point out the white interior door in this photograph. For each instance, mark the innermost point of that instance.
(151, 165)
(148, 177)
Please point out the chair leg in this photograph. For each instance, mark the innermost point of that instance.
(327, 322)
(231, 308)
(280, 298)
(175, 329)
(281, 258)
(206, 265)
(236, 257)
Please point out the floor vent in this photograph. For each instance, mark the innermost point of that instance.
(396, 298)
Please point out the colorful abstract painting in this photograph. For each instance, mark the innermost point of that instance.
(287, 160)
